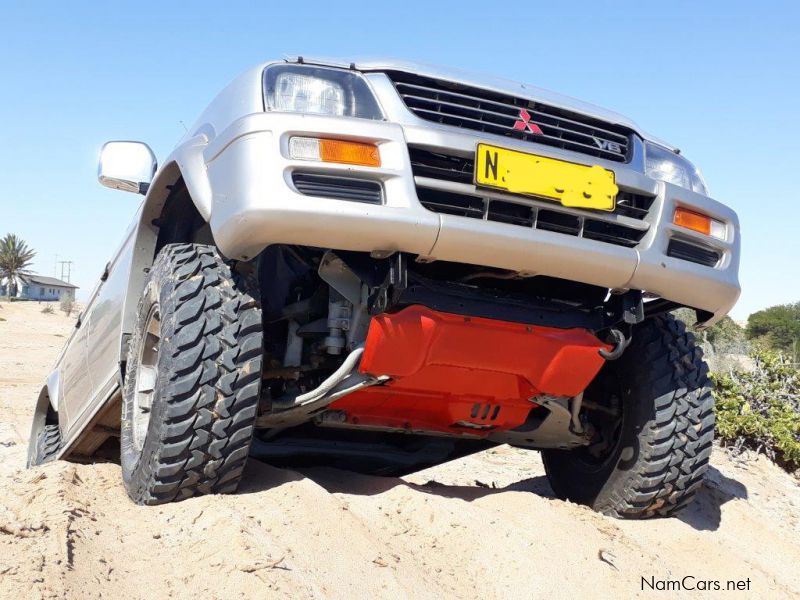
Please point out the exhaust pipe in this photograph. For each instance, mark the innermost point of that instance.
(291, 410)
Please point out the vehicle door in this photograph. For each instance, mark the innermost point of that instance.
(104, 350)
(76, 383)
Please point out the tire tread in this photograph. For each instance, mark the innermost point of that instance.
(214, 344)
(681, 432)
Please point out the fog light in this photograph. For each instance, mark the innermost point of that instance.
(335, 151)
(699, 222)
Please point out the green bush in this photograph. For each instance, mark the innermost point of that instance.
(760, 408)
(777, 327)
(727, 337)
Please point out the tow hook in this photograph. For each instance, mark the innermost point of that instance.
(620, 343)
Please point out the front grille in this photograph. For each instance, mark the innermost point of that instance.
(338, 188)
(693, 253)
(460, 170)
(544, 219)
(481, 110)
(457, 169)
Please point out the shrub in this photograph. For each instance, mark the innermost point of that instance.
(727, 337)
(67, 306)
(48, 310)
(760, 408)
(777, 327)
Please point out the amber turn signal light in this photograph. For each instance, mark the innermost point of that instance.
(699, 222)
(335, 151)
(349, 153)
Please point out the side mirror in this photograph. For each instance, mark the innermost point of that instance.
(126, 166)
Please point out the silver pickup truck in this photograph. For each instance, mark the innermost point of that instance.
(383, 265)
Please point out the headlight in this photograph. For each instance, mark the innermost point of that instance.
(663, 164)
(319, 91)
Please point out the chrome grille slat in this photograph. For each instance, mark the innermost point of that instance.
(511, 118)
(514, 107)
(501, 130)
(456, 105)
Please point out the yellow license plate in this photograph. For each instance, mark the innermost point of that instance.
(574, 185)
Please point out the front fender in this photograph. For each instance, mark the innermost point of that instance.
(191, 163)
(186, 162)
(53, 387)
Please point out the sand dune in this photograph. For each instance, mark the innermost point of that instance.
(484, 526)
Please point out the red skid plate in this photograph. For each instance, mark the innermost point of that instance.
(458, 374)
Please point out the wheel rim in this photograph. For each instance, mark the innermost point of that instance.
(610, 426)
(146, 376)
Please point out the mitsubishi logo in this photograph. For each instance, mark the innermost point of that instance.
(524, 123)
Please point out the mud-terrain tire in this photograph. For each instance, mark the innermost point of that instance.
(203, 387)
(664, 439)
(48, 443)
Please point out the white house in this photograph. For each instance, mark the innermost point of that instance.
(39, 287)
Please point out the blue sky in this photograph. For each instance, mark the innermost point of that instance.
(718, 79)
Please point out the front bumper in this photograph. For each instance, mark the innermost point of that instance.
(255, 203)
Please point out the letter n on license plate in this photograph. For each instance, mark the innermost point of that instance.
(571, 184)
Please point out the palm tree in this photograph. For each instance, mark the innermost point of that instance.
(15, 258)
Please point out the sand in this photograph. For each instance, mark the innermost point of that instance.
(486, 526)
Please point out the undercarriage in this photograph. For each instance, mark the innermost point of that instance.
(444, 351)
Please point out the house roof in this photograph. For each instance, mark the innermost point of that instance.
(42, 280)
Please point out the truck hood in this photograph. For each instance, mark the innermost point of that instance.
(495, 84)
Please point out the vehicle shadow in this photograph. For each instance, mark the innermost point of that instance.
(260, 476)
(705, 513)
(369, 485)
